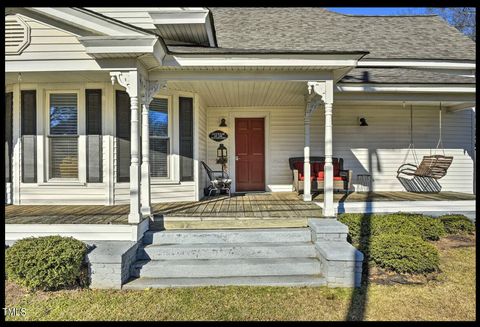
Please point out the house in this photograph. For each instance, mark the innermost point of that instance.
(112, 108)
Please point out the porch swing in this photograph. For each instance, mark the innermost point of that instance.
(422, 178)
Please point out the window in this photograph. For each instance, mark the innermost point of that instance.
(63, 135)
(159, 140)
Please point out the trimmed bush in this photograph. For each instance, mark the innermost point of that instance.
(46, 263)
(362, 227)
(457, 224)
(354, 223)
(404, 253)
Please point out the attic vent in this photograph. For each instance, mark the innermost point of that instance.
(17, 35)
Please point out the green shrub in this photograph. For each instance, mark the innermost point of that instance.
(46, 263)
(457, 224)
(354, 223)
(404, 253)
(428, 228)
(362, 227)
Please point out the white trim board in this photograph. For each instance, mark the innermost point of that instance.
(83, 232)
(442, 64)
(403, 206)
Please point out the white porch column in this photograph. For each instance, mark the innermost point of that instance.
(324, 90)
(313, 101)
(328, 209)
(130, 80)
(307, 187)
(328, 205)
(149, 89)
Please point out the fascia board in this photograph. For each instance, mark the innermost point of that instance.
(328, 60)
(442, 64)
(446, 88)
(85, 21)
(179, 17)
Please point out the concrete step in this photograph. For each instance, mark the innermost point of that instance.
(187, 223)
(291, 281)
(228, 251)
(226, 267)
(277, 235)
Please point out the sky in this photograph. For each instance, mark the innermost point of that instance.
(377, 10)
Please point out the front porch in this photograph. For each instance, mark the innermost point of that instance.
(263, 209)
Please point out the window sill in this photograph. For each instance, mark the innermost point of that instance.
(62, 183)
(165, 182)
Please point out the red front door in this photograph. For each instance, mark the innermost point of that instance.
(250, 154)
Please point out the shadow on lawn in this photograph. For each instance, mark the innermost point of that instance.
(359, 301)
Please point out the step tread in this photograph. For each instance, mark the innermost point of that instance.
(233, 261)
(291, 280)
(240, 230)
(225, 245)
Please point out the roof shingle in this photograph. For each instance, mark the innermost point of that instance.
(317, 29)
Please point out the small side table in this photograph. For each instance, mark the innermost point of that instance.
(364, 182)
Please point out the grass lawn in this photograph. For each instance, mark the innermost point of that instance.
(450, 296)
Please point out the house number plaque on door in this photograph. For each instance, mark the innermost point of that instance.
(218, 136)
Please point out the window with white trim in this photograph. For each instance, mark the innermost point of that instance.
(63, 135)
(158, 118)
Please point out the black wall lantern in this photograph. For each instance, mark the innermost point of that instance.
(222, 156)
(363, 122)
(222, 123)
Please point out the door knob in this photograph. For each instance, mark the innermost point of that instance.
(236, 157)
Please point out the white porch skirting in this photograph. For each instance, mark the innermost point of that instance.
(434, 208)
(83, 232)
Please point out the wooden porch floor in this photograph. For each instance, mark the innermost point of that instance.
(262, 206)
(396, 196)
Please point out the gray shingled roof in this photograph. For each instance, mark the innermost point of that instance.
(317, 29)
(403, 75)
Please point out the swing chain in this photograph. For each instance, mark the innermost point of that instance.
(440, 132)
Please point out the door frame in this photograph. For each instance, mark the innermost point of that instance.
(232, 114)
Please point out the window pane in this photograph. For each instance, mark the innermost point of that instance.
(64, 157)
(159, 142)
(159, 149)
(158, 117)
(63, 114)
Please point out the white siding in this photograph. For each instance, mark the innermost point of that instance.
(382, 145)
(49, 43)
(184, 191)
(61, 194)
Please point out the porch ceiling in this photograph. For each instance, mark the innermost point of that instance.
(292, 93)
